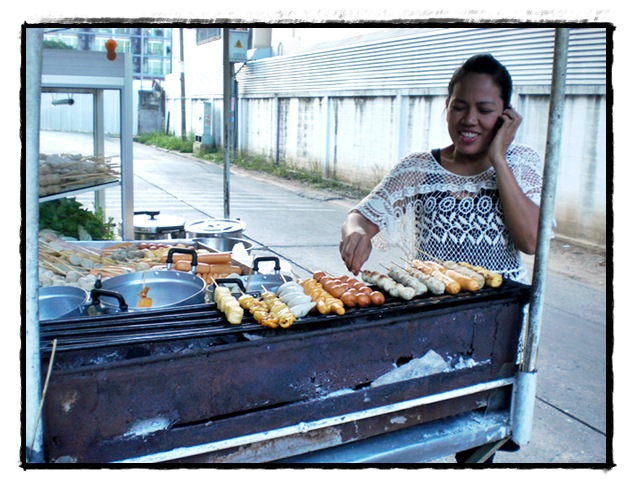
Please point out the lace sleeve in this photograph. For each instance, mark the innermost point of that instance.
(391, 205)
(527, 167)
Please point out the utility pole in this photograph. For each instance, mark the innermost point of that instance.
(227, 68)
(183, 112)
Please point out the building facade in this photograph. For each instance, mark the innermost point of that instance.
(150, 47)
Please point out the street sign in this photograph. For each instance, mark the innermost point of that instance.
(238, 46)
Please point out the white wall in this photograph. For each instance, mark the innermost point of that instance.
(358, 138)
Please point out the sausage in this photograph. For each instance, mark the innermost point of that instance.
(467, 272)
(366, 290)
(203, 257)
(363, 300)
(434, 285)
(349, 299)
(318, 275)
(491, 279)
(466, 283)
(451, 286)
(407, 280)
(377, 298)
(215, 270)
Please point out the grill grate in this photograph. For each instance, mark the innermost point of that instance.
(205, 321)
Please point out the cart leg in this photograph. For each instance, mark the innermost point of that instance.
(482, 454)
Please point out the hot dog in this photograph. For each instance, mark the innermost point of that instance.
(215, 270)
(203, 257)
(432, 269)
(349, 290)
(491, 279)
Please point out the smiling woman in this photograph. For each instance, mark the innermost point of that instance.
(476, 200)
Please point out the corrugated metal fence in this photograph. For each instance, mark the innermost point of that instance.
(411, 59)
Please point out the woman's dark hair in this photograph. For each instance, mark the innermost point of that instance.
(488, 65)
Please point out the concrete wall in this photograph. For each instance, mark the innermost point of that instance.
(358, 138)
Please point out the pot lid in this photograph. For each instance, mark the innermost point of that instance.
(151, 221)
(216, 226)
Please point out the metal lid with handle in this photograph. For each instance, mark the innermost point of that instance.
(146, 222)
(215, 228)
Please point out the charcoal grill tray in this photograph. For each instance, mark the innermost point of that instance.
(198, 321)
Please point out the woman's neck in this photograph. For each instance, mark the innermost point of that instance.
(463, 164)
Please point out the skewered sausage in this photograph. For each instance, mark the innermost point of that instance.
(388, 285)
(434, 285)
(431, 269)
(491, 279)
(406, 279)
(349, 290)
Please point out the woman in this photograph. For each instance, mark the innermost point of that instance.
(476, 200)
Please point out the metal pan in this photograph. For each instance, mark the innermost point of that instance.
(57, 302)
(167, 288)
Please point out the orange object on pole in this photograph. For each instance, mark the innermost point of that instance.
(111, 45)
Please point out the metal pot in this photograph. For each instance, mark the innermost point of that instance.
(256, 282)
(215, 228)
(57, 302)
(224, 244)
(166, 288)
(150, 225)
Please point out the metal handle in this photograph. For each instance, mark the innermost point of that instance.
(259, 259)
(174, 250)
(95, 293)
(232, 281)
(151, 213)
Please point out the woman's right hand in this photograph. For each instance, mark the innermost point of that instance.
(356, 241)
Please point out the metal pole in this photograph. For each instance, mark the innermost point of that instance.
(525, 388)
(183, 111)
(226, 114)
(33, 432)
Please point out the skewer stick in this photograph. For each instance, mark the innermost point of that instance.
(399, 266)
(429, 256)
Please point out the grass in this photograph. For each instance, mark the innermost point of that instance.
(166, 141)
(311, 175)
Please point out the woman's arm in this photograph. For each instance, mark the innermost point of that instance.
(356, 240)
(520, 212)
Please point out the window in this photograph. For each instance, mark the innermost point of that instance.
(208, 35)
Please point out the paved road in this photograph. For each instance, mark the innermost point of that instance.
(570, 423)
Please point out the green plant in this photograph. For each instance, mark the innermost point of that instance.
(67, 217)
(166, 141)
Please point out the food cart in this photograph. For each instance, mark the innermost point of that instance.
(181, 385)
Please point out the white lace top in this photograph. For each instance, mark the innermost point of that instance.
(420, 206)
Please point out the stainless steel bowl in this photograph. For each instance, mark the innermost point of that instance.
(224, 244)
(57, 302)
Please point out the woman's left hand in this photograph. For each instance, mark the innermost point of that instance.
(510, 121)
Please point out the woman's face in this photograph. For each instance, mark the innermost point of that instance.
(473, 111)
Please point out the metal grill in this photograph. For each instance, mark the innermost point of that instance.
(181, 385)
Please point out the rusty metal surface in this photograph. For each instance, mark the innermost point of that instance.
(141, 399)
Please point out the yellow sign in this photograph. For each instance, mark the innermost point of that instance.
(238, 46)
